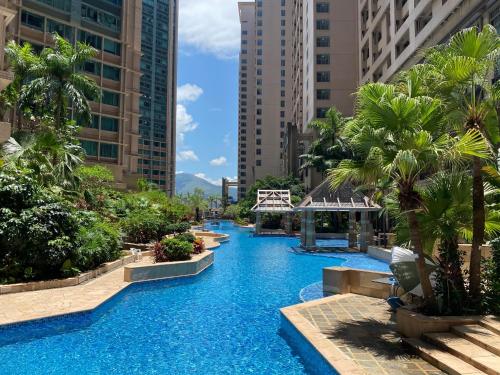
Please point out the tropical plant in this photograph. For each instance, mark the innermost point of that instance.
(328, 148)
(400, 138)
(461, 74)
(186, 236)
(197, 202)
(172, 249)
(491, 281)
(198, 246)
(144, 226)
(57, 85)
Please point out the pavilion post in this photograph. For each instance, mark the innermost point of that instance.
(258, 222)
(307, 230)
(364, 235)
(288, 223)
(353, 237)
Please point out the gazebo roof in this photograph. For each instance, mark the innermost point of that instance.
(343, 198)
(277, 201)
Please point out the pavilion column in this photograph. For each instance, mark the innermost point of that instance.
(364, 235)
(258, 222)
(353, 237)
(288, 223)
(307, 230)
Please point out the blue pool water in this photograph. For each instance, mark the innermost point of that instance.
(224, 321)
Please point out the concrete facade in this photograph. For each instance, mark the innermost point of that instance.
(8, 11)
(391, 32)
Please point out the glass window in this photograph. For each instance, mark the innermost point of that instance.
(64, 30)
(32, 20)
(323, 76)
(91, 39)
(323, 41)
(109, 124)
(323, 94)
(321, 112)
(90, 147)
(105, 19)
(110, 98)
(64, 5)
(322, 25)
(112, 47)
(111, 72)
(323, 59)
(94, 123)
(322, 7)
(92, 67)
(108, 150)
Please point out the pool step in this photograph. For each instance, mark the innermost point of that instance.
(466, 350)
(441, 359)
(480, 336)
(491, 323)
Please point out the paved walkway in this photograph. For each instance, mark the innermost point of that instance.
(19, 307)
(357, 335)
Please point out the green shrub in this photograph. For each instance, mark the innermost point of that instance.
(491, 280)
(99, 242)
(187, 236)
(37, 230)
(144, 226)
(174, 249)
(178, 227)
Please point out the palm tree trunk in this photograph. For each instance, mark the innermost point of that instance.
(478, 220)
(415, 236)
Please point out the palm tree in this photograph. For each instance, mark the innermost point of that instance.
(462, 71)
(58, 85)
(328, 148)
(400, 138)
(197, 202)
(21, 60)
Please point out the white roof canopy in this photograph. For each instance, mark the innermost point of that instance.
(277, 201)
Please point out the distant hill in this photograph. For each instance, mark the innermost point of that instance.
(186, 183)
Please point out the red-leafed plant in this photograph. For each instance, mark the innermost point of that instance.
(198, 245)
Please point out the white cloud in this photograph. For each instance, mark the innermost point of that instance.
(217, 182)
(185, 123)
(188, 93)
(210, 26)
(218, 162)
(187, 155)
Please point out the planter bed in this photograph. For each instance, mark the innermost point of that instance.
(71, 281)
(153, 271)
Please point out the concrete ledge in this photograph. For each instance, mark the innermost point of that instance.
(142, 272)
(413, 324)
(141, 246)
(343, 280)
(5, 130)
(71, 281)
(380, 253)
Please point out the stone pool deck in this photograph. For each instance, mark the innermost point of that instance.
(356, 335)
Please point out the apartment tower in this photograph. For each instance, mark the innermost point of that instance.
(114, 28)
(391, 33)
(158, 90)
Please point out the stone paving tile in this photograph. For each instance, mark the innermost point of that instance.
(364, 330)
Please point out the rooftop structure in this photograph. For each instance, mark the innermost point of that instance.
(274, 202)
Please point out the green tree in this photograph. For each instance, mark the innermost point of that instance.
(197, 202)
(461, 73)
(58, 85)
(328, 148)
(400, 138)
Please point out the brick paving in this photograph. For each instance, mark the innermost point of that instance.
(363, 330)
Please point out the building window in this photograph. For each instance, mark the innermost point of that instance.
(108, 150)
(112, 47)
(321, 112)
(32, 20)
(92, 67)
(64, 5)
(91, 39)
(90, 147)
(323, 94)
(323, 41)
(105, 19)
(109, 124)
(64, 30)
(322, 25)
(94, 122)
(322, 7)
(258, 151)
(258, 163)
(110, 98)
(323, 59)
(323, 76)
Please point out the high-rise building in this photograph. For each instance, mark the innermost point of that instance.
(158, 89)
(247, 93)
(391, 33)
(114, 28)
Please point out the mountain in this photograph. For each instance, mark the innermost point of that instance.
(186, 183)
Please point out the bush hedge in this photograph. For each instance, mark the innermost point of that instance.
(172, 249)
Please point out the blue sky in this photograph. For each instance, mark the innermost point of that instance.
(207, 110)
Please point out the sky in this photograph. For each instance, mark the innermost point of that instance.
(207, 88)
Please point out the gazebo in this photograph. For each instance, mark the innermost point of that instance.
(274, 202)
(343, 199)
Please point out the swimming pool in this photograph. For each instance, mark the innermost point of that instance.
(224, 321)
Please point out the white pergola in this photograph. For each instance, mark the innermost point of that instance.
(275, 202)
(345, 198)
